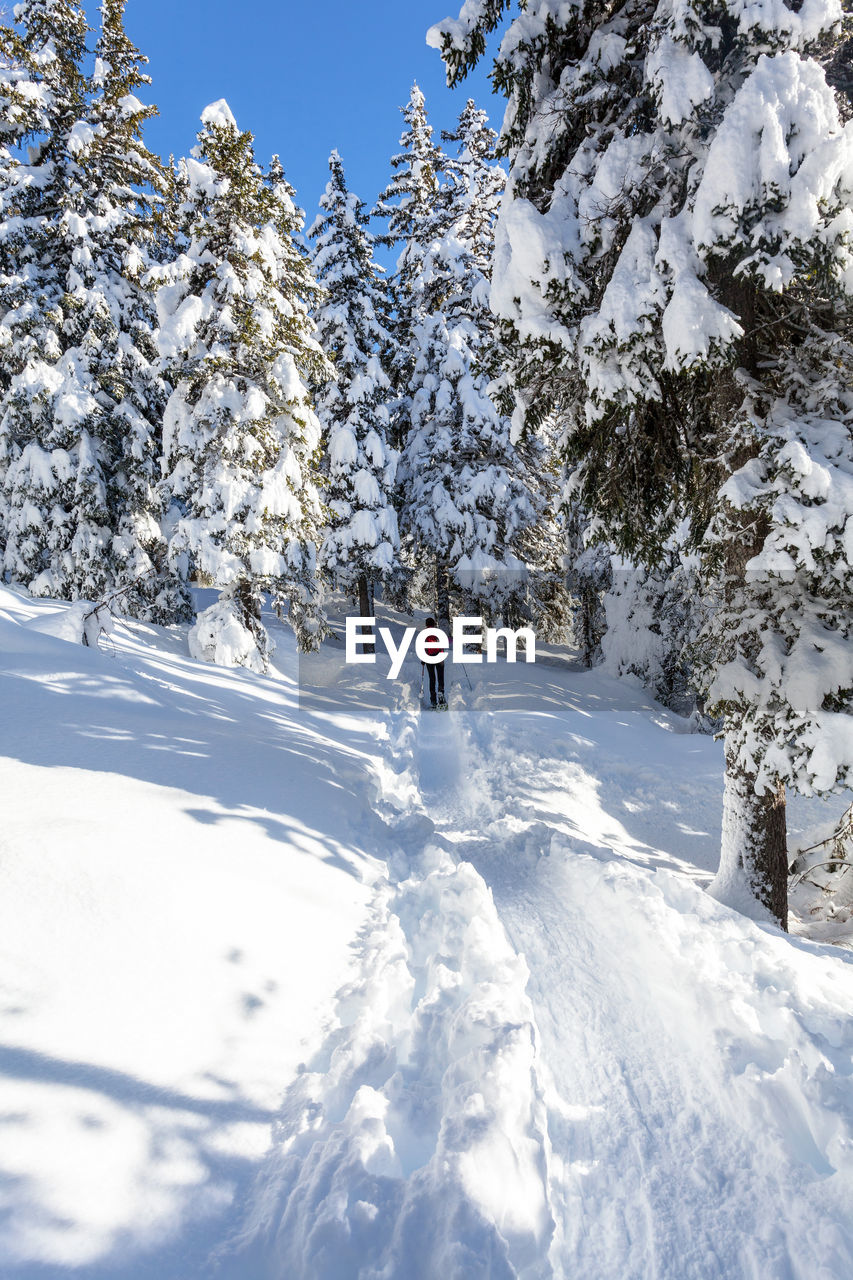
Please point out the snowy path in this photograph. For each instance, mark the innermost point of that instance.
(401, 1152)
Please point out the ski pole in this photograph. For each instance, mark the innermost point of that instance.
(467, 677)
(421, 694)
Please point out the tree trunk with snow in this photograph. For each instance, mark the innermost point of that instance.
(590, 610)
(442, 594)
(365, 609)
(754, 853)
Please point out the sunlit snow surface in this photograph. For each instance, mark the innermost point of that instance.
(550, 1053)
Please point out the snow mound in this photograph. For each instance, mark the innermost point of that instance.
(79, 623)
(219, 636)
(416, 1145)
(703, 1060)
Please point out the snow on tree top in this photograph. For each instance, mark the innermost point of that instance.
(219, 113)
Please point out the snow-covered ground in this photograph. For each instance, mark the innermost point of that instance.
(330, 989)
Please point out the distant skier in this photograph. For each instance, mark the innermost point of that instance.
(433, 647)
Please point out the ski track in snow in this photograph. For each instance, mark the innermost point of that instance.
(416, 1144)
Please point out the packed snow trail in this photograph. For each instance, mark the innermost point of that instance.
(415, 1145)
(574, 1062)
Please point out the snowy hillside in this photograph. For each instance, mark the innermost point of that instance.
(328, 988)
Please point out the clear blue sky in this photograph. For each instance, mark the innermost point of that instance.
(304, 76)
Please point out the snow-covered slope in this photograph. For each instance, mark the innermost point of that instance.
(550, 1052)
(183, 863)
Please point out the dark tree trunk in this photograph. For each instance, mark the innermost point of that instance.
(755, 840)
(442, 595)
(755, 847)
(363, 598)
(590, 605)
(248, 599)
(364, 608)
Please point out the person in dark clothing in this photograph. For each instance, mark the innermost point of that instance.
(435, 670)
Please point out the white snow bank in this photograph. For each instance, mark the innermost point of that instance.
(731, 1078)
(696, 1067)
(220, 637)
(79, 623)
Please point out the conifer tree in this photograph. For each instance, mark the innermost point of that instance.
(469, 203)
(674, 267)
(169, 225)
(82, 493)
(653, 619)
(112, 327)
(240, 434)
(469, 493)
(44, 463)
(408, 204)
(360, 542)
(24, 111)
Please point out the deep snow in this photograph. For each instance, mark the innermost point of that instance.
(532, 1045)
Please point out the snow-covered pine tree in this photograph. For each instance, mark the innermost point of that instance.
(44, 463)
(653, 619)
(169, 220)
(111, 331)
(468, 493)
(469, 201)
(83, 429)
(360, 542)
(779, 559)
(20, 115)
(674, 263)
(408, 204)
(240, 435)
(298, 590)
(24, 111)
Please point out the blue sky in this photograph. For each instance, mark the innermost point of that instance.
(304, 77)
